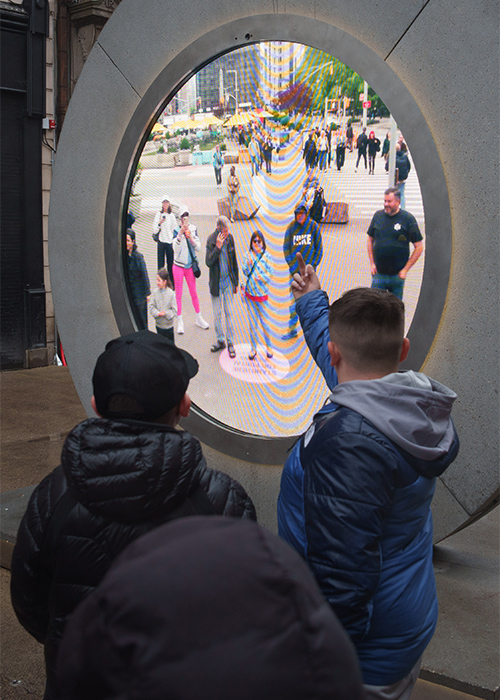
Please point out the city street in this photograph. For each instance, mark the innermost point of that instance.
(274, 397)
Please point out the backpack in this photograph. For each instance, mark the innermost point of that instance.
(316, 210)
(403, 166)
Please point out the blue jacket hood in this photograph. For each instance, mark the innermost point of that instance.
(412, 410)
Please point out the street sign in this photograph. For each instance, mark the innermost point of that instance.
(367, 104)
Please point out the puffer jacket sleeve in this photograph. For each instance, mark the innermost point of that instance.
(349, 483)
(227, 495)
(30, 580)
(312, 310)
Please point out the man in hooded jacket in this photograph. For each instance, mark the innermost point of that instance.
(302, 235)
(121, 475)
(356, 490)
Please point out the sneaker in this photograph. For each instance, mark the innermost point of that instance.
(201, 323)
(292, 333)
(180, 325)
(219, 345)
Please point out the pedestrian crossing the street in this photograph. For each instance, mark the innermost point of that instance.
(277, 193)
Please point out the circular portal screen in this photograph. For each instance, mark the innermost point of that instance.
(250, 137)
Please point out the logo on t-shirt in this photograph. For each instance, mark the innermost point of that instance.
(397, 227)
(304, 239)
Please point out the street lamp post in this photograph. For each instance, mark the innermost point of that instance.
(235, 88)
(365, 99)
(392, 153)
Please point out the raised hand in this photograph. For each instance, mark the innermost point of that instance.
(305, 280)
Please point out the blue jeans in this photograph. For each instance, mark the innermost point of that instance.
(391, 283)
(233, 198)
(258, 313)
(255, 165)
(224, 301)
(401, 188)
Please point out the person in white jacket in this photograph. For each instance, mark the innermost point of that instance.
(185, 245)
(164, 225)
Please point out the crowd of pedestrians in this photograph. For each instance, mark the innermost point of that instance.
(179, 250)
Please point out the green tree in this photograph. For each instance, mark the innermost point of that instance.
(329, 78)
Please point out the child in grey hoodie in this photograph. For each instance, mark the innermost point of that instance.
(162, 305)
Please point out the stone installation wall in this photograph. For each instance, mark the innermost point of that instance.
(436, 70)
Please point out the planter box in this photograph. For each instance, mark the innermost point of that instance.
(184, 157)
(158, 160)
(165, 160)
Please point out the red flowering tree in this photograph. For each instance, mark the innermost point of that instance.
(297, 97)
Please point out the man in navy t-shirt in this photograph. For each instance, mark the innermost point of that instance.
(389, 236)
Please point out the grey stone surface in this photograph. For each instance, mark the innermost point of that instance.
(12, 507)
(448, 513)
(456, 89)
(448, 61)
(85, 157)
(464, 652)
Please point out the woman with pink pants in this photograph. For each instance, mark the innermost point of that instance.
(185, 245)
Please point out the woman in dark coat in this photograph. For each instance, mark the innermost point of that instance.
(373, 149)
(138, 277)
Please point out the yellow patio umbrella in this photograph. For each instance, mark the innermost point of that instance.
(158, 127)
(238, 119)
(179, 125)
(211, 120)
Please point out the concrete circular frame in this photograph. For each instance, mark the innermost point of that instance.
(139, 59)
(410, 121)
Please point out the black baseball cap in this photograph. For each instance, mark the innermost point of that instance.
(147, 367)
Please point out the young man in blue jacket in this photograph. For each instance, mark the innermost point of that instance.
(356, 490)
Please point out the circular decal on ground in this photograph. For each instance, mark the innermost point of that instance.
(260, 370)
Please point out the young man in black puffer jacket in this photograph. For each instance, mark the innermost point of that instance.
(121, 475)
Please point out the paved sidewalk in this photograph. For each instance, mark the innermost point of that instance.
(40, 406)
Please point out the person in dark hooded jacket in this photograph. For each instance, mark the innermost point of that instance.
(302, 235)
(121, 475)
(207, 609)
(356, 489)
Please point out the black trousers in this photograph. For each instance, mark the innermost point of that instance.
(166, 251)
(166, 332)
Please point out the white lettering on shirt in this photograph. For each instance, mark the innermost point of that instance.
(303, 239)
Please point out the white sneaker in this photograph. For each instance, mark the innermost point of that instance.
(201, 323)
(180, 325)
